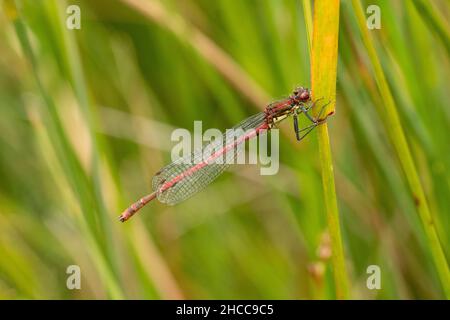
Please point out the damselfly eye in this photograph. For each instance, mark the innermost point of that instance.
(304, 95)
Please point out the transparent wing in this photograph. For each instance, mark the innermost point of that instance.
(200, 173)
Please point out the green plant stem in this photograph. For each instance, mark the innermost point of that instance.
(308, 22)
(404, 154)
(432, 16)
(76, 177)
(323, 71)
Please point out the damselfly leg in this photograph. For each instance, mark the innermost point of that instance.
(297, 132)
(315, 120)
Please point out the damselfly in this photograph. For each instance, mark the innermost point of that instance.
(188, 175)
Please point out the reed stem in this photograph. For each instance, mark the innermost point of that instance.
(398, 138)
(323, 79)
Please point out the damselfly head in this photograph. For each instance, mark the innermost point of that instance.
(301, 94)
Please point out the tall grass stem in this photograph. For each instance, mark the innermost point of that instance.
(323, 72)
(398, 138)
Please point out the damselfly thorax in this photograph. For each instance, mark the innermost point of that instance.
(188, 175)
(279, 110)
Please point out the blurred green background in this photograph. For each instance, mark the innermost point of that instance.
(86, 117)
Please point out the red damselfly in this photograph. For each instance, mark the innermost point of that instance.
(188, 175)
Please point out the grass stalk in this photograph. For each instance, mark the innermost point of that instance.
(398, 138)
(307, 12)
(67, 157)
(323, 72)
(434, 18)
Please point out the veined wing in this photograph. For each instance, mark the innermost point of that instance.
(188, 175)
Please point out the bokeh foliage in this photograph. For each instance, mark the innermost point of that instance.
(86, 117)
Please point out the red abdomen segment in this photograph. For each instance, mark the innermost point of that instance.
(131, 210)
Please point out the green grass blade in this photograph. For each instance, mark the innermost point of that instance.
(75, 173)
(307, 11)
(403, 151)
(431, 16)
(323, 71)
